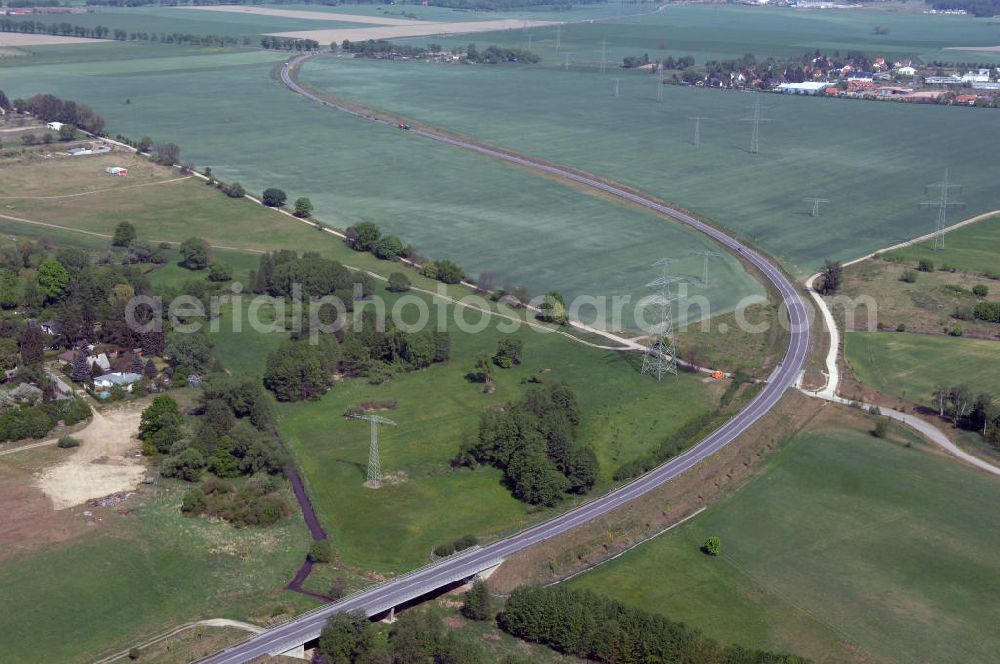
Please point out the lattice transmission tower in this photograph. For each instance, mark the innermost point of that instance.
(942, 204)
(661, 356)
(758, 117)
(706, 255)
(374, 480)
(816, 203)
(697, 128)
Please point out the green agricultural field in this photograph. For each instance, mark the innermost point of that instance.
(874, 178)
(447, 203)
(847, 548)
(141, 575)
(973, 248)
(912, 365)
(169, 20)
(711, 32)
(428, 503)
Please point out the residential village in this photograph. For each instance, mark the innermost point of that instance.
(855, 76)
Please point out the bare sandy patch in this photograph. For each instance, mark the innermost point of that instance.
(984, 49)
(105, 462)
(307, 15)
(18, 39)
(27, 521)
(411, 30)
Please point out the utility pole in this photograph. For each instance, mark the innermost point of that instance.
(374, 480)
(942, 204)
(617, 81)
(604, 54)
(816, 203)
(558, 37)
(566, 62)
(697, 128)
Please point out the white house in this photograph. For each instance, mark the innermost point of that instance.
(906, 71)
(126, 380)
(55, 126)
(981, 76)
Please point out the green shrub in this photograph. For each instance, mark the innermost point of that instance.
(193, 503)
(320, 551)
(901, 327)
(881, 429)
(909, 276)
(925, 265)
(980, 290)
(712, 546)
(68, 441)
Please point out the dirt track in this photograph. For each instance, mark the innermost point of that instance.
(105, 463)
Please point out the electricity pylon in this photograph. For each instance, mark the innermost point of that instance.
(697, 128)
(661, 355)
(374, 480)
(758, 117)
(706, 255)
(816, 203)
(942, 204)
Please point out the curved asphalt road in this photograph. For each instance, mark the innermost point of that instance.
(381, 597)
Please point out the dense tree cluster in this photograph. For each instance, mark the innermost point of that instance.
(280, 273)
(380, 48)
(534, 443)
(229, 437)
(298, 370)
(831, 277)
(418, 636)
(53, 109)
(494, 55)
(36, 420)
(288, 44)
(584, 624)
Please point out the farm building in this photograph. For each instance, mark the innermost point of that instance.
(807, 88)
(906, 71)
(116, 170)
(966, 100)
(55, 126)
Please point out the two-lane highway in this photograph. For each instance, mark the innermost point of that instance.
(387, 594)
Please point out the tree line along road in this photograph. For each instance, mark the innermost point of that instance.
(395, 591)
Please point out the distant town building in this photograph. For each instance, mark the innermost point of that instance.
(807, 88)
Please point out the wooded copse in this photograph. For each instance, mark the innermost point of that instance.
(534, 443)
(584, 624)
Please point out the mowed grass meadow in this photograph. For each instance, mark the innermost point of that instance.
(912, 365)
(847, 548)
(426, 502)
